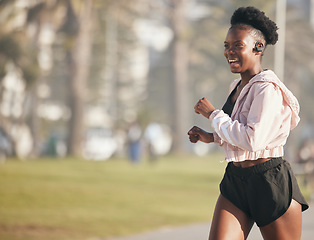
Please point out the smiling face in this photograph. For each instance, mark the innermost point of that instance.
(240, 51)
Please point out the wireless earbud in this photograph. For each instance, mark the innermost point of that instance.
(257, 48)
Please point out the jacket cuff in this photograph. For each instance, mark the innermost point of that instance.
(213, 114)
(217, 139)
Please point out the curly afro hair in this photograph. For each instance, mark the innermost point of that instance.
(257, 19)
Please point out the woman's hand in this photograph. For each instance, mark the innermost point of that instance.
(204, 107)
(197, 134)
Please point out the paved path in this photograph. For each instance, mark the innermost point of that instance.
(200, 231)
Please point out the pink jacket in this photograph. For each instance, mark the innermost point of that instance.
(261, 120)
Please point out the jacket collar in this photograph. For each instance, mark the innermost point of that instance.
(270, 76)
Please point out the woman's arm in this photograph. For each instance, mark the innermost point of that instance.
(263, 120)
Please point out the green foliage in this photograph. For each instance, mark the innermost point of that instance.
(30, 72)
(35, 11)
(4, 2)
(73, 199)
(9, 47)
(15, 47)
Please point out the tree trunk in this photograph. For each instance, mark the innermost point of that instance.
(180, 66)
(78, 60)
(34, 121)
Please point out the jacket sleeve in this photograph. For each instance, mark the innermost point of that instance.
(262, 123)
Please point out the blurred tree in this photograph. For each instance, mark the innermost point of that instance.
(77, 47)
(103, 29)
(17, 57)
(39, 16)
(299, 75)
(190, 67)
(111, 85)
(179, 23)
(77, 29)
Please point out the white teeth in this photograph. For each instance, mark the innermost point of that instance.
(232, 60)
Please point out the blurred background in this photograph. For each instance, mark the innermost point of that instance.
(104, 78)
(111, 80)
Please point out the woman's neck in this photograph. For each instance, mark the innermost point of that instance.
(247, 76)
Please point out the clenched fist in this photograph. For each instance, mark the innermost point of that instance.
(204, 107)
(197, 134)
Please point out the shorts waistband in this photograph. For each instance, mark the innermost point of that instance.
(259, 168)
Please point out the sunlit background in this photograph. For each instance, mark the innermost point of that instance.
(92, 78)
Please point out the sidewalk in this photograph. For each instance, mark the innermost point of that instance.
(200, 231)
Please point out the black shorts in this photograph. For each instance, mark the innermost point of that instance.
(264, 191)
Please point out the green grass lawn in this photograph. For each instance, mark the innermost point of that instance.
(77, 199)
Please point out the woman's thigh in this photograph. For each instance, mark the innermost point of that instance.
(229, 222)
(287, 227)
